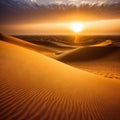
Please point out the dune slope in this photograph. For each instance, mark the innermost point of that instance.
(102, 60)
(49, 51)
(88, 53)
(36, 87)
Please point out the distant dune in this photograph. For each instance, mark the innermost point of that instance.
(102, 58)
(104, 43)
(36, 87)
(88, 53)
(38, 48)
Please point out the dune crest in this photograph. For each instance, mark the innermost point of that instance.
(101, 60)
(104, 43)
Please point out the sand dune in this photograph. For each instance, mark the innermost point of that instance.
(51, 43)
(102, 60)
(103, 43)
(49, 51)
(88, 53)
(62, 45)
(36, 87)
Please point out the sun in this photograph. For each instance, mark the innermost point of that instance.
(76, 27)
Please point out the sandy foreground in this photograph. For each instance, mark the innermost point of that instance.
(36, 87)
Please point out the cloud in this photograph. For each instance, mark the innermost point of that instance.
(33, 0)
(72, 1)
(57, 2)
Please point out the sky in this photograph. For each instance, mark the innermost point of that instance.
(43, 16)
(101, 27)
(77, 2)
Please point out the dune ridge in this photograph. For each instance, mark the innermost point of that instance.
(102, 60)
(103, 43)
(38, 48)
(36, 87)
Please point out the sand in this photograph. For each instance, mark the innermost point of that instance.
(102, 60)
(36, 87)
(103, 43)
(46, 50)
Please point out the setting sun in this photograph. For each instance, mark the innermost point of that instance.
(77, 27)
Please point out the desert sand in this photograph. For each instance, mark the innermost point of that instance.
(102, 59)
(48, 51)
(37, 87)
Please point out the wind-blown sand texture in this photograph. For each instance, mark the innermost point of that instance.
(36, 87)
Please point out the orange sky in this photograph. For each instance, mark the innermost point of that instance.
(92, 27)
